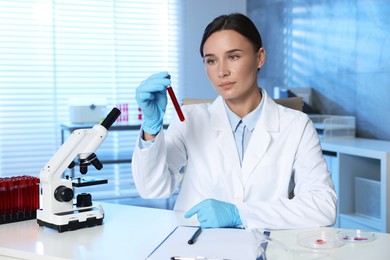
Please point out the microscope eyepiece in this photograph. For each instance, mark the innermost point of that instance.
(111, 117)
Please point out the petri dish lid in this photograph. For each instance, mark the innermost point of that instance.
(356, 235)
(323, 239)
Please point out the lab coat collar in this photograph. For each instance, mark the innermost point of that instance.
(218, 116)
(269, 119)
(260, 140)
(220, 120)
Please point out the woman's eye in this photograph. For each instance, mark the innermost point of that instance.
(210, 61)
(233, 57)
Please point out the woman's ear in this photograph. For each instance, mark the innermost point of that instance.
(261, 56)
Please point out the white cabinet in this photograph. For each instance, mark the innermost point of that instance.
(361, 173)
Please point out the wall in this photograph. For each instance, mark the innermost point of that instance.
(197, 15)
(339, 48)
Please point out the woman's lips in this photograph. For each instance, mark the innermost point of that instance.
(226, 84)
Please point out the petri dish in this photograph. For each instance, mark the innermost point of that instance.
(356, 236)
(323, 239)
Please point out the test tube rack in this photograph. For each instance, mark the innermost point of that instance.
(19, 198)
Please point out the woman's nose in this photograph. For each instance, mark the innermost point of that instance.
(223, 70)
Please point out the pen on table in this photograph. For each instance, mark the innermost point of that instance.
(195, 236)
(174, 101)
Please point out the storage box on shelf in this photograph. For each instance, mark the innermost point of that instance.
(367, 196)
(334, 126)
(87, 110)
(360, 170)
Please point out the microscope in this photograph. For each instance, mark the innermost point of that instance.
(58, 210)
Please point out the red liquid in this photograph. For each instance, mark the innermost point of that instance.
(175, 103)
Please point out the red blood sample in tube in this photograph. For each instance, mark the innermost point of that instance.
(2, 196)
(36, 193)
(174, 101)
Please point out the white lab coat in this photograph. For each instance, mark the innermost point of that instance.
(284, 145)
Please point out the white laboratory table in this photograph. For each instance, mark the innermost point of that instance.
(130, 232)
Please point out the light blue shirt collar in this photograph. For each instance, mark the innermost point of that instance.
(249, 120)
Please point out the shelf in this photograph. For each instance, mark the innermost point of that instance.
(360, 170)
(357, 146)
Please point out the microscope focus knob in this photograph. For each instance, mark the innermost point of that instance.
(84, 200)
(63, 194)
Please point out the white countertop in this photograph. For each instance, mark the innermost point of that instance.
(126, 231)
(130, 232)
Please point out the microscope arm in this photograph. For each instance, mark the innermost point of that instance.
(81, 143)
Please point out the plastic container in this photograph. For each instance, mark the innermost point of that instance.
(323, 239)
(367, 197)
(90, 110)
(328, 126)
(356, 236)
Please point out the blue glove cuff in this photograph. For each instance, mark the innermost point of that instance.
(152, 127)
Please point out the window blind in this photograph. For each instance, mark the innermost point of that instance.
(55, 50)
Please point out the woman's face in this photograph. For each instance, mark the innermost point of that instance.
(232, 64)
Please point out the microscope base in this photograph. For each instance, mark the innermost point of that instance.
(72, 220)
(72, 226)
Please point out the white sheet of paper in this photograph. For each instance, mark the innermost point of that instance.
(214, 243)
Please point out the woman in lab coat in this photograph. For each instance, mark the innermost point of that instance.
(238, 159)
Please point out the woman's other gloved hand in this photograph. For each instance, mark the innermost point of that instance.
(151, 97)
(215, 214)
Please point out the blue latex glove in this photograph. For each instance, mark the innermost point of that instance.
(215, 214)
(151, 96)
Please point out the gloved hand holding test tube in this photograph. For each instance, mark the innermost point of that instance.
(152, 99)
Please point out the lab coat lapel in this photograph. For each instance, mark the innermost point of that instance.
(224, 137)
(261, 137)
(255, 151)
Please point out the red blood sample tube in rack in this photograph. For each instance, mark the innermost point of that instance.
(19, 198)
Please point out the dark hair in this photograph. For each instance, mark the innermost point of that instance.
(237, 22)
